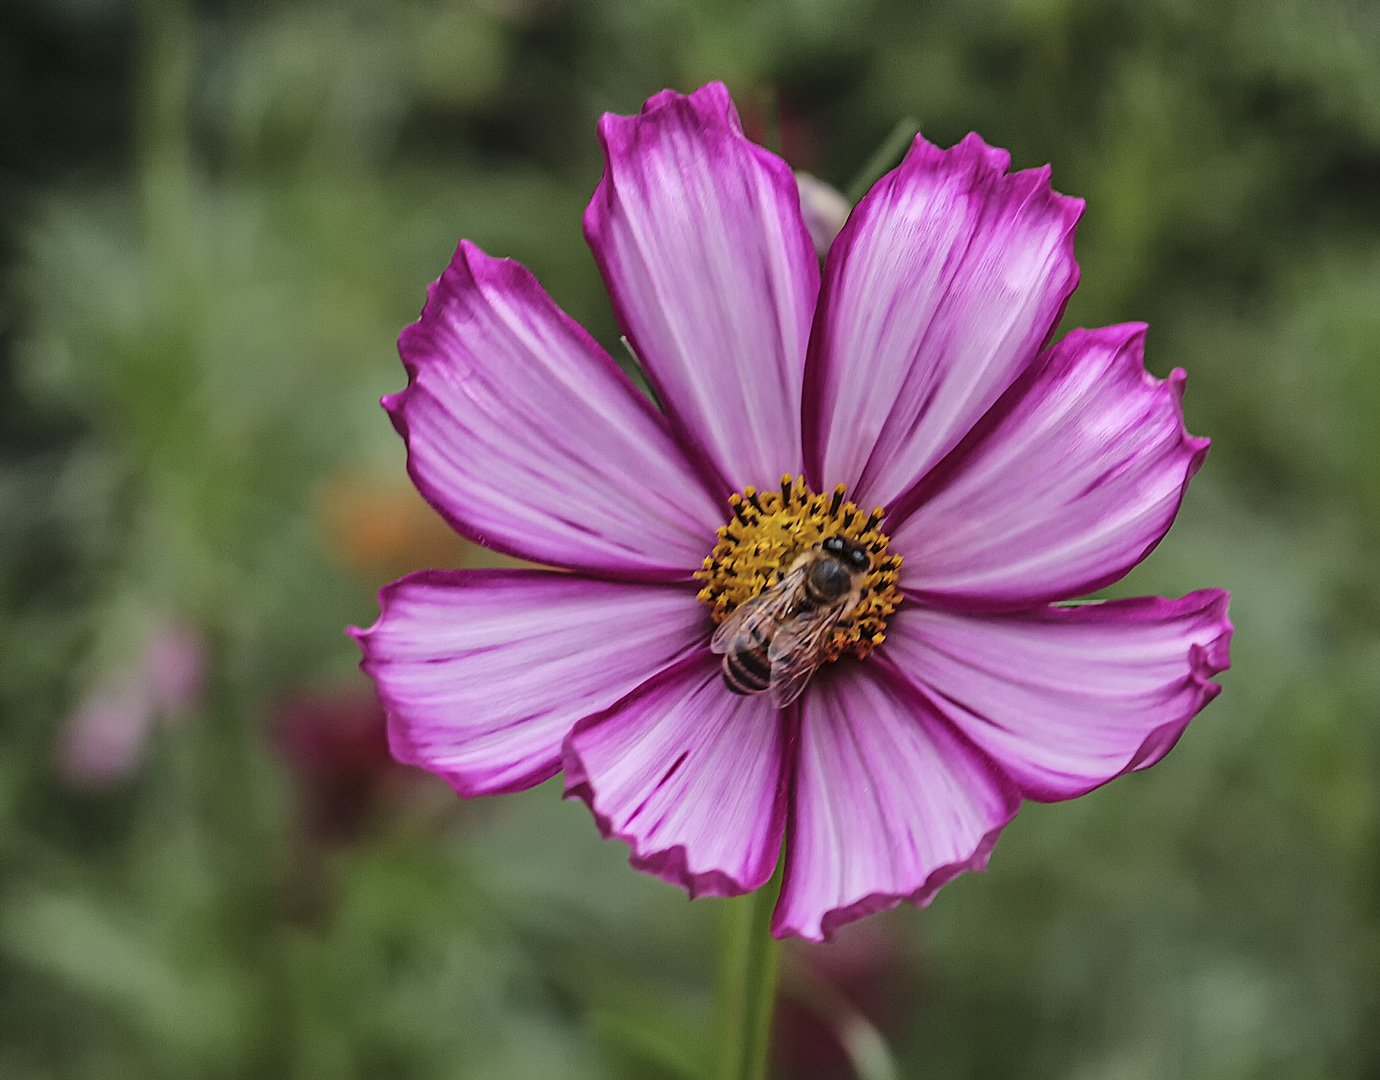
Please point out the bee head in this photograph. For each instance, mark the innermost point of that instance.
(849, 551)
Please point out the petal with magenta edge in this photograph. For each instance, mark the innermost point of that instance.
(890, 803)
(1077, 479)
(1066, 698)
(690, 776)
(524, 435)
(483, 673)
(937, 294)
(699, 236)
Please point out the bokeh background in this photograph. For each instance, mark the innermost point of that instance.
(214, 218)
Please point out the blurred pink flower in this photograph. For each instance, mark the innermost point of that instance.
(104, 739)
(336, 746)
(175, 666)
(835, 1002)
(915, 376)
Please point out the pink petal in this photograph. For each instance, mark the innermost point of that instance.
(691, 776)
(1074, 483)
(524, 434)
(483, 673)
(824, 210)
(699, 236)
(890, 804)
(106, 737)
(1066, 698)
(940, 290)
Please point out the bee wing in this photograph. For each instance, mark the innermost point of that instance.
(761, 612)
(795, 654)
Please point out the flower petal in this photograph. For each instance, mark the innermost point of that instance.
(483, 673)
(940, 290)
(527, 438)
(691, 776)
(699, 236)
(1066, 698)
(1074, 483)
(890, 803)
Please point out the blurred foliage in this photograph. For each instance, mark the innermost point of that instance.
(216, 216)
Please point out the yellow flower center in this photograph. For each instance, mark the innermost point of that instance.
(771, 529)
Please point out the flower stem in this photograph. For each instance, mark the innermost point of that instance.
(747, 984)
(162, 121)
(883, 158)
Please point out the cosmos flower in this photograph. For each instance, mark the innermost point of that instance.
(106, 737)
(904, 404)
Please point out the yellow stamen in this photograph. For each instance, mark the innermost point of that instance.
(766, 533)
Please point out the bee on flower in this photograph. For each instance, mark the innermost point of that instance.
(817, 598)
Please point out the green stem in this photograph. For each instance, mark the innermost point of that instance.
(883, 158)
(772, 108)
(163, 121)
(747, 984)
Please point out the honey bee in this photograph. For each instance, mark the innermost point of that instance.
(775, 641)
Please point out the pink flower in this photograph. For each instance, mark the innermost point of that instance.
(914, 376)
(334, 744)
(105, 738)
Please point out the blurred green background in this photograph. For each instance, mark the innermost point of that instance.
(215, 217)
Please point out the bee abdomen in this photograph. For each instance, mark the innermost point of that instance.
(747, 671)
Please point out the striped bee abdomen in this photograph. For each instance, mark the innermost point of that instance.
(747, 670)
